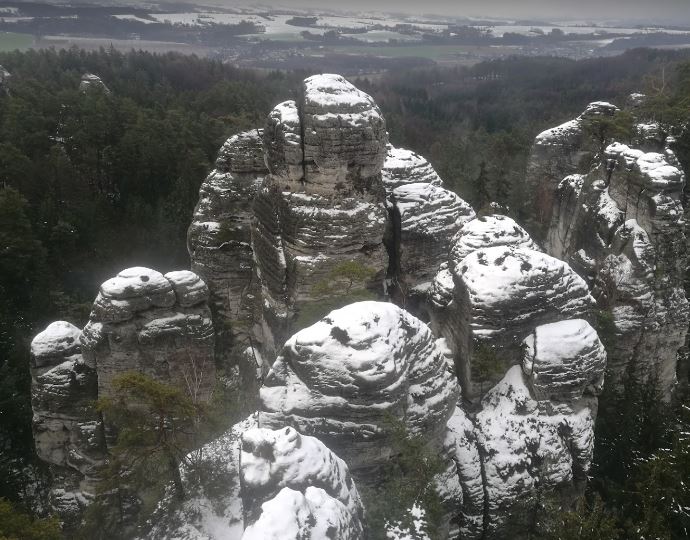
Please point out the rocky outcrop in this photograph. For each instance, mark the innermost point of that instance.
(220, 249)
(343, 378)
(154, 324)
(499, 295)
(530, 450)
(618, 220)
(406, 167)
(90, 81)
(316, 212)
(68, 434)
(564, 360)
(558, 152)
(425, 218)
(141, 321)
(256, 483)
(319, 217)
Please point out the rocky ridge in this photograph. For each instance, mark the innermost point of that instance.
(317, 211)
(617, 218)
(141, 321)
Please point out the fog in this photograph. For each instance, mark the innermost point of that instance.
(677, 11)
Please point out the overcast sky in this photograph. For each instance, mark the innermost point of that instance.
(668, 10)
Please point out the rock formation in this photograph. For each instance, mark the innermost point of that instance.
(558, 152)
(90, 81)
(617, 218)
(254, 483)
(141, 321)
(154, 324)
(301, 220)
(220, 249)
(424, 217)
(499, 295)
(67, 430)
(319, 217)
(345, 377)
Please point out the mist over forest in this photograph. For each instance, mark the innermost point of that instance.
(376, 271)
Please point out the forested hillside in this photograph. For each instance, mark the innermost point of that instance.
(98, 179)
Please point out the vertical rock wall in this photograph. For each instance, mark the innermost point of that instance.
(617, 218)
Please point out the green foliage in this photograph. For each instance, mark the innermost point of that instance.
(17, 525)
(604, 129)
(658, 494)
(409, 481)
(156, 427)
(486, 364)
(343, 285)
(589, 520)
(23, 291)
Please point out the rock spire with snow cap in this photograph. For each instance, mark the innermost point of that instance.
(156, 324)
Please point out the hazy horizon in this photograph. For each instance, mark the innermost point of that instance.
(677, 11)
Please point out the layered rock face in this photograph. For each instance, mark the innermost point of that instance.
(339, 380)
(154, 324)
(316, 212)
(498, 296)
(619, 222)
(342, 378)
(262, 484)
(424, 218)
(68, 433)
(220, 248)
(319, 217)
(142, 321)
(558, 152)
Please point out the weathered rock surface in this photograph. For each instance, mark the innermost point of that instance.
(313, 213)
(259, 484)
(481, 232)
(90, 81)
(403, 166)
(619, 222)
(563, 360)
(527, 445)
(425, 219)
(154, 324)
(68, 433)
(500, 295)
(558, 152)
(319, 217)
(342, 378)
(220, 249)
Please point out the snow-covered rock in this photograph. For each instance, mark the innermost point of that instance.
(344, 134)
(344, 377)
(68, 434)
(500, 295)
(617, 218)
(220, 248)
(563, 360)
(558, 152)
(403, 166)
(488, 231)
(528, 447)
(147, 322)
(90, 81)
(425, 219)
(253, 483)
(319, 218)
